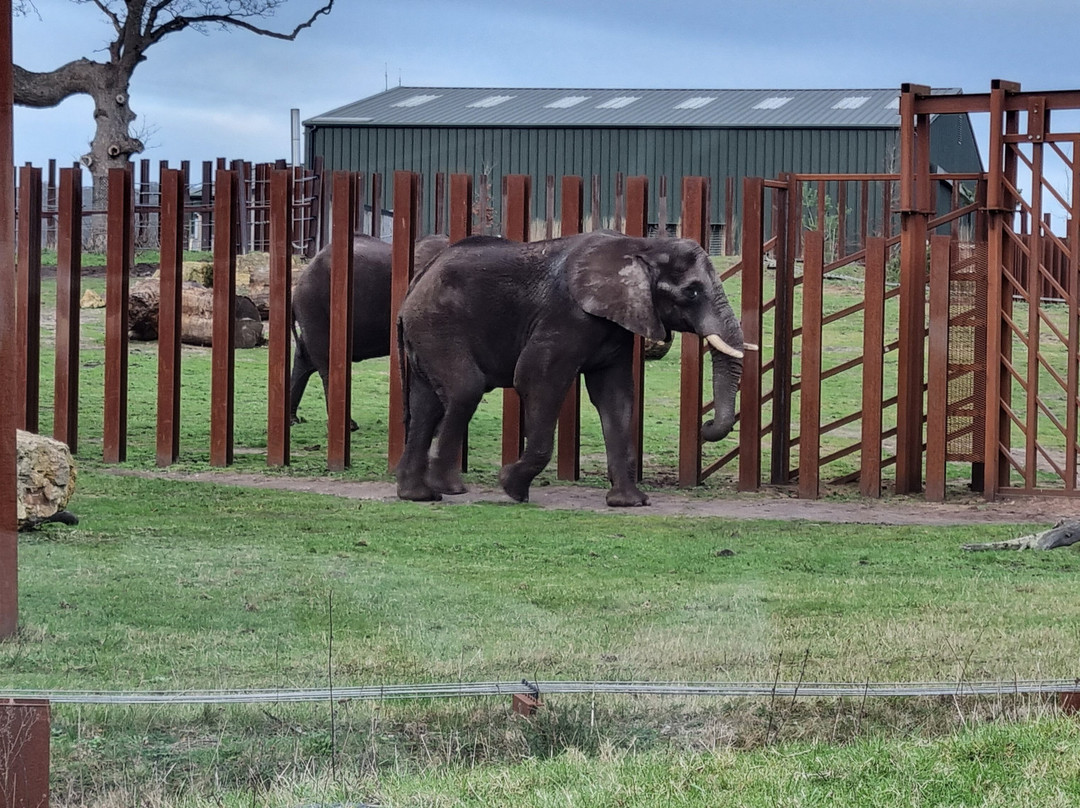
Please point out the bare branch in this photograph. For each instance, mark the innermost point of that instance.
(49, 89)
(180, 22)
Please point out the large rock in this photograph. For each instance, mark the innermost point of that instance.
(46, 479)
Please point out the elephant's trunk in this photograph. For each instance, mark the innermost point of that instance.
(727, 371)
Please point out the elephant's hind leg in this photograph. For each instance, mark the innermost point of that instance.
(444, 472)
(425, 414)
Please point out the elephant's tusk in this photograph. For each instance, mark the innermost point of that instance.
(749, 346)
(717, 343)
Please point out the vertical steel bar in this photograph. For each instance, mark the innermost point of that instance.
(516, 228)
(753, 259)
(28, 299)
(339, 386)
(223, 356)
(909, 407)
(549, 207)
(810, 390)
(440, 203)
(637, 225)
(694, 226)
(169, 318)
(68, 290)
(938, 369)
(729, 215)
(279, 409)
(9, 345)
(120, 247)
(568, 458)
(873, 367)
(406, 203)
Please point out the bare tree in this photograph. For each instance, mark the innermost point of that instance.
(138, 25)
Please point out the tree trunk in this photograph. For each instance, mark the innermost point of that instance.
(196, 315)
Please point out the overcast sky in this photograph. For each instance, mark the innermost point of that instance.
(229, 94)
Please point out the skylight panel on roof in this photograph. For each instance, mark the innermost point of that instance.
(851, 102)
(775, 102)
(567, 102)
(415, 100)
(619, 102)
(894, 104)
(491, 101)
(697, 102)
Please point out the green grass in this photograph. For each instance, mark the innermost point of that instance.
(168, 585)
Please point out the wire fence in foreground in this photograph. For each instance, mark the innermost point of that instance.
(525, 687)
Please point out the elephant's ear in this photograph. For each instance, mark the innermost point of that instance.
(615, 283)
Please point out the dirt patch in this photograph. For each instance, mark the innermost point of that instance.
(961, 509)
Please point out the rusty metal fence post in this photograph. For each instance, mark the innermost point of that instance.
(28, 298)
(637, 225)
(516, 220)
(810, 367)
(695, 219)
(120, 250)
(24, 753)
(753, 259)
(9, 563)
(568, 460)
(873, 367)
(68, 288)
(169, 307)
(339, 386)
(223, 358)
(279, 231)
(406, 214)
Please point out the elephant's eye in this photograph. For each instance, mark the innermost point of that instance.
(693, 292)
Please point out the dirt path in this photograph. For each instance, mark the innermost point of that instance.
(888, 511)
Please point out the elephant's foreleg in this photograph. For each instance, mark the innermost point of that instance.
(425, 414)
(611, 392)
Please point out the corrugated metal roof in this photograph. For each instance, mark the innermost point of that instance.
(510, 106)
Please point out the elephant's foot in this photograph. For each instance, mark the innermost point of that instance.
(447, 483)
(417, 492)
(514, 483)
(629, 497)
(296, 419)
(353, 426)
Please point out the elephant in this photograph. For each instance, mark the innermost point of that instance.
(491, 312)
(371, 309)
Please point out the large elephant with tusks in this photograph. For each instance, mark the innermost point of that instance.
(491, 313)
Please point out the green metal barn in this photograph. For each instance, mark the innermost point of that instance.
(610, 133)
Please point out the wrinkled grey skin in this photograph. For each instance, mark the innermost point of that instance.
(494, 313)
(371, 308)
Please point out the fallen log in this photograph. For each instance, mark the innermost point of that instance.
(196, 316)
(1063, 534)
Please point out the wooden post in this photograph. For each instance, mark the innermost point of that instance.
(279, 410)
(120, 247)
(28, 299)
(937, 369)
(694, 226)
(515, 227)
(753, 258)
(873, 366)
(339, 389)
(406, 209)
(68, 289)
(9, 558)
(24, 751)
(810, 402)
(637, 225)
(223, 352)
(169, 308)
(568, 453)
